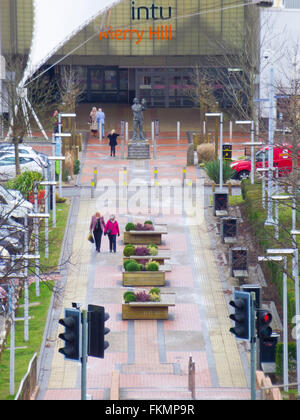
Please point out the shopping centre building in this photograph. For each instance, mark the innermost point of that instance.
(147, 48)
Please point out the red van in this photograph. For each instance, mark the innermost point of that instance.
(282, 158)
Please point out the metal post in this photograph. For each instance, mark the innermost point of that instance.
(92, 189)
(276, 207)
(36, 242)
(100, 131)
(297, 312)
(253, 347)
(221, 151)
(95, 176)
(12, 331)
(270, 221)
(54, 199)
(59, 140)
(126, 132)
(252, 152)
(26, 292)
(84, 354)
(230, 131)
(285, 327)
(264, 179)
(183, 175)
(47, 209)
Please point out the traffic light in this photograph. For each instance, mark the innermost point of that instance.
(263, 322)
(71, 336)
(97, 330)
(241, 316)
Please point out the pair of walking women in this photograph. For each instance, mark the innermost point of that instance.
(111, 229)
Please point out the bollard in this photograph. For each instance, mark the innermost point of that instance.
(122, 148)
(192, 377)
(178, 130)
(157, 128)
(95, 176)
(126, 132)
(183, 175)
(92, 188)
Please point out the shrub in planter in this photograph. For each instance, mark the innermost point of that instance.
(213, 170)
(129, 297)
(153, 249)
(148, 222)
(152, 266)
(76, 167)
(125, 264)
(142, 296)
(205, 152)
(141, 251)
(130, 226)
(133, 266)
(129, 250)
(155, 294)
(144, 227)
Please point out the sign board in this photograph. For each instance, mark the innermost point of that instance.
(227, 151)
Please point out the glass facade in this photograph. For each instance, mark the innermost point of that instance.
(146, 48)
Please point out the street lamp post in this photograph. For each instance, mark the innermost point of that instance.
(295, 274)
(252, 144)
(36, 216)
(279, 258)
(219, 114)
(283, 198)
(270, 221)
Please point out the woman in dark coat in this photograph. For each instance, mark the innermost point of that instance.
(113, 142)
(97, 226)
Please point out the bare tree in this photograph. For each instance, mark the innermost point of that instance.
(40, 93)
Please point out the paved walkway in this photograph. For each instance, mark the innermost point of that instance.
(151, 356)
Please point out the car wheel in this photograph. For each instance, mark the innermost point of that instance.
(244, 175)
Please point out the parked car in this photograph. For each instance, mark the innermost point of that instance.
(13, 204)
(28, 163)
(282, 158)
(13, 245)
(8, 148)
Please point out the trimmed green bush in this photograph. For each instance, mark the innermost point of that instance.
(133, 266)
(129, 297)
(130, 226)
(152, 266)
(129, 250)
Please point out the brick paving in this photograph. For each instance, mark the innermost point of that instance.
(152, 356)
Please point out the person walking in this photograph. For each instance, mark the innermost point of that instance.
(112, 230)
(100, 120)
(93, 122)
(113, 142)
(97, 226)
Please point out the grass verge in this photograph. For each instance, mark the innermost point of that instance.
(38, 312)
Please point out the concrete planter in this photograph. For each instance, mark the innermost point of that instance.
(137, 237)
(149, 310)
(143, 278)
(160, 257)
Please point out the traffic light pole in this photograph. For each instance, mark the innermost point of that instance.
(84, 354)
(253, 347)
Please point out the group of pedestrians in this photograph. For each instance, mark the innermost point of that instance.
(98, 227)
(97, 122)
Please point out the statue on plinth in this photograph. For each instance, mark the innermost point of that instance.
(138, 119)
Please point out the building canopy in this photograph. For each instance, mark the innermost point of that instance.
(55, 22)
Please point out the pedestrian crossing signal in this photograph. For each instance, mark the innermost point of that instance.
(71, 335)
(263, 321)
(241, 316)
(97, 330)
